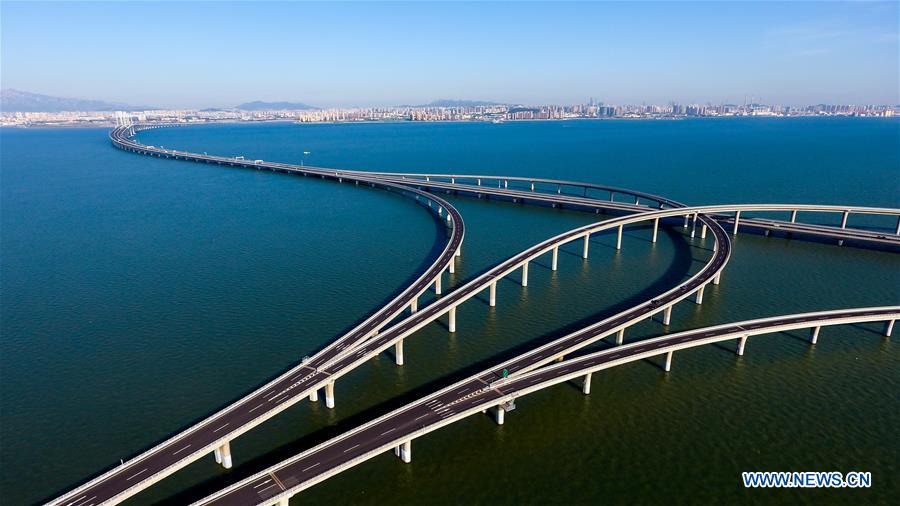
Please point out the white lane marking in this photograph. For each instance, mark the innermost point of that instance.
(254, 409)
(279, 397)
(222, 427)
(135, 474)
(389, 430)
(181, 450)
(420, 417)
(461, 391)
(261, 483)
(352, 447)
(260, 491)
(310, 467)
(83, 497)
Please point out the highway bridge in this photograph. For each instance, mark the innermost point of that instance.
(489, 390)
(216, 432)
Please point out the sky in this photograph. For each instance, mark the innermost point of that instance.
(215, 54)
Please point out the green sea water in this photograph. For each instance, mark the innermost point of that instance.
(140, 294)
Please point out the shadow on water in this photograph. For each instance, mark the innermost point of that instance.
(682, 262)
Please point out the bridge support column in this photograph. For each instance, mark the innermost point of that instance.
(398, 352)
(217, 453)
(889, 328)
(686, 217)
(284, 501)
(586, 387)
(452, 265)
(525, 274)
(587, 243)
(619, 238)
(314, 396)
(452, 322)
(559, 189)
(437, 283)
(414, 305)
(667, 315)
(554, 260)
(532, 186)
(459, 252)
(406, 451)
(814, 335)
(703, 231)
(741, 343)
(493, 297)
(637, 201)
(718, 278)
(694, 226)
(620, 336)
(699, 299)
(225, 454)
(612, 197)
(794, 216)
(506, 183)
(500, 415)
(668, 366)
(655, 228)
(737, 219)
(844, 219)
(329, 394)
(897, 231)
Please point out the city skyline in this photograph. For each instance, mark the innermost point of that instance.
(369, 55)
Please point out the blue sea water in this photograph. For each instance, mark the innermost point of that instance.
(140, 294)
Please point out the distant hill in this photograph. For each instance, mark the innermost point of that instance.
(443, 102)
(22, 101)
(272, 106)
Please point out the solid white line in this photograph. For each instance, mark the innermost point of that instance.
(352, 447)
(181, 450)
(261, 484)
(423, 416)
(310, 467)
(222, 427)
(135, 474)
(389, 430)
(461, 391)
(254, 409)
(264, 489)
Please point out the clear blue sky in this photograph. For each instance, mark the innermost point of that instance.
(219, 54)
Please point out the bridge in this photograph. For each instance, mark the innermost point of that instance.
(488, 390)
(369, 338)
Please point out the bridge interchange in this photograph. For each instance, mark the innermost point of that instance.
(365, 341)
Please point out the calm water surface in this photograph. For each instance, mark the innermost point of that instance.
(140, 294)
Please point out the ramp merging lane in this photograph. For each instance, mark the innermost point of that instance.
(484, 391)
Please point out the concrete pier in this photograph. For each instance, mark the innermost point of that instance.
(525, 274)
(500, 415)
(668, 366)
(889, 328)
(459, 252)
(398, 352)
(814, 335)
(718, 278)
(586, 386)
(314, 396)
(655, 228)
(414, 305)
(794, 216)
(587, 243)
(737, 219)
(703, 231)
(329, 394)
(554, 261)
(452, 319)
(844, 219)
(452, 265)
(217, 453)
(619, 238)
(686, 217)
(225, 452)
(437, 284)
(493, 295)
(699, 299)
(406, 451)
(741, 343)
(667, 315)
(620, 336)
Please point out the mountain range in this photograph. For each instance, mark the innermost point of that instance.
(22, 101)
